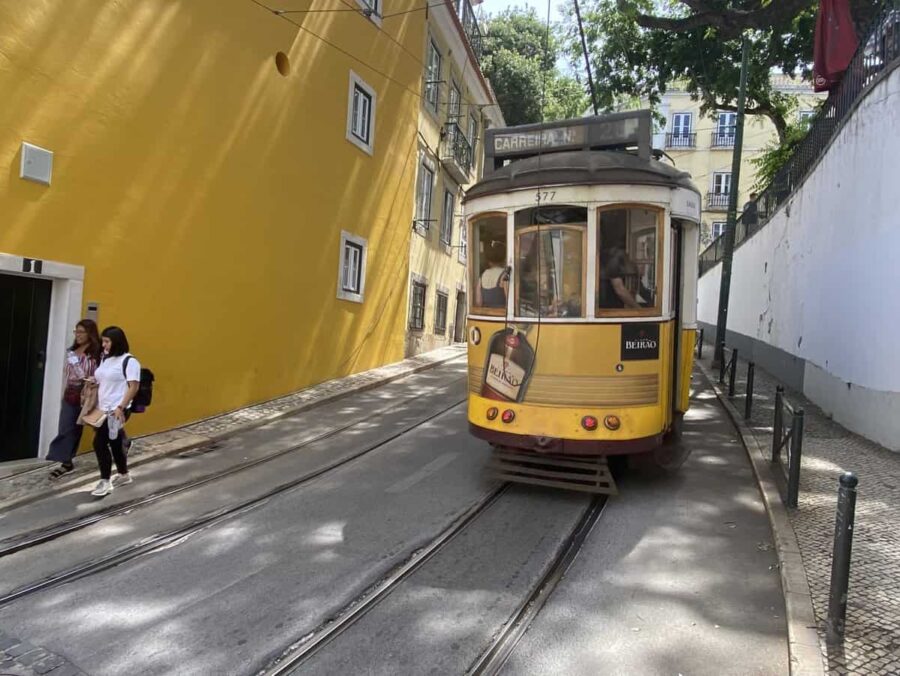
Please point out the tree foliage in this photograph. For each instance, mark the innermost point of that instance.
(520, 62)
(638, 48)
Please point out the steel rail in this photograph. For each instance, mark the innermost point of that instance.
(495, 656)
(38, 536)
(299, 652)
(164, 539)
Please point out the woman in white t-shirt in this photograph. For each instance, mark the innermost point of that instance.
(118, 378)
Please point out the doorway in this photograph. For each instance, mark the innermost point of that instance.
(24, 327)
(459, 332)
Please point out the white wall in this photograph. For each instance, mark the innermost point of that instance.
(821, 281)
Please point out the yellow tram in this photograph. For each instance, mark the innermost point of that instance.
(582, 276)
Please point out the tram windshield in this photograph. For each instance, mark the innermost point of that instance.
(550, 255)
(627, 255)
(489, 266)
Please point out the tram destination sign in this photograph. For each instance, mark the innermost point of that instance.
(546, 139)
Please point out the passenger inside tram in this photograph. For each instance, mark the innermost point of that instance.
(494, 283)
(627, 250)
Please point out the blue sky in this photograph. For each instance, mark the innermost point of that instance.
(497, 6)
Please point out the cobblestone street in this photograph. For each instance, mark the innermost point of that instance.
(872, 639)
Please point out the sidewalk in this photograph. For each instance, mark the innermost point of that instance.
(25, 486)
(872, 637)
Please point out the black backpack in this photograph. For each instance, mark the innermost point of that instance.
(145, 388)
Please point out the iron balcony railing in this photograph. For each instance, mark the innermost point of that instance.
(879, 49)
(722, 138)
(681, 140)
(470, 26)
(456, 147)
(717, 200)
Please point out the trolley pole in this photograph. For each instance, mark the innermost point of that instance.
(725, 285)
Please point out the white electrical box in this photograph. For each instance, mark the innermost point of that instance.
(37, 164)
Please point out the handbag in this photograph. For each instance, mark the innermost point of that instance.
(95, 418)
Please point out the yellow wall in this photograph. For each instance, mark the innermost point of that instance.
(441, 265)
(204, 193)
(704, 160)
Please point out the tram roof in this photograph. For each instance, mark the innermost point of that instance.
(580, 167)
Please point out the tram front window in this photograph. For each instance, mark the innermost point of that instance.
(627, 251)
(550, 261)
(489, 268)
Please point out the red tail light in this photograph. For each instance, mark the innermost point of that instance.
(508, 416)
(589, 423)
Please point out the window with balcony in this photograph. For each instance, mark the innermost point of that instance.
(721, 189)
(352, 269)
(453, 103)
(682, 135)
(723, 136)
(424, 190)
(361, 114)
(432, 77)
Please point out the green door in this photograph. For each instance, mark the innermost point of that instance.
(24, 320)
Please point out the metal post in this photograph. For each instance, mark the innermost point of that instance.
(728, 255)
(840, 560)
(700, 346)
(778, 426)
(721, 351)
(794, 467)
(748, 398)
(732, 372)
(587, 61)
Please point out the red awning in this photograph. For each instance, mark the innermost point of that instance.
(835, 43)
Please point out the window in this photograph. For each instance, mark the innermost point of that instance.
(550, 266)
(627, 252)
(440, 313)
(718, 228)
(447, 218)
(352, 269)
(432, 76)
(806, 116)
(473, 133)
(722, 183)
(463, 244)
(372, 9)
(490, 276)
(681, 136)
(361, 114)
(726, 125)
(453, 105)
(424, 191)
(417, 305)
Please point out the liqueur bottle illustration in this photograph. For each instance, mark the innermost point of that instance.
(508, 366)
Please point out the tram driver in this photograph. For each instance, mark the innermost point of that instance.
(620, 282)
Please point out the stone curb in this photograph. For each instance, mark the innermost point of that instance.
(803, 639)
(185, 441)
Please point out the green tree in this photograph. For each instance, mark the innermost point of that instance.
(520, 62)
(640, 47)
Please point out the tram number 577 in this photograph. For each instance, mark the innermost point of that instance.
(546, 196)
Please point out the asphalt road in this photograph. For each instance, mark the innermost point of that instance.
(675, 578)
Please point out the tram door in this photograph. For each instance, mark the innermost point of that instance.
(24, 322)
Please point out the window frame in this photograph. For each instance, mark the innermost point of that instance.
(457, 115)
(375, 7)
(690, 127)
(423, 225)
(414, 284)
(356, 82)
(712, 228)
(438, 294)
(544, 227)
(475, 277)
(720, 127)
(463, 253)
(447, 223)
(362, 244)
(806, 115)
(657, 309)
(727, 191)
(434, 79)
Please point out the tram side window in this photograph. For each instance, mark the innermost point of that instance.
(627, 254)
(490, 275)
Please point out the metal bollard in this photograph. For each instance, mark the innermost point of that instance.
(778, 426)
(722, 363)
(732, 375)
(840, 560)
(700, 346)
(793, 490)
(748, 399)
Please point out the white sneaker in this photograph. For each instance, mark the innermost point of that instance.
(103, 488)
(121, 479)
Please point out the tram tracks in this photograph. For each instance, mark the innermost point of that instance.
(492, 659)
(38, 536)
(168, 538)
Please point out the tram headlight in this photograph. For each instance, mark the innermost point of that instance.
(508, 416)
(612, 422)
(589, 423)
(492, 412)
